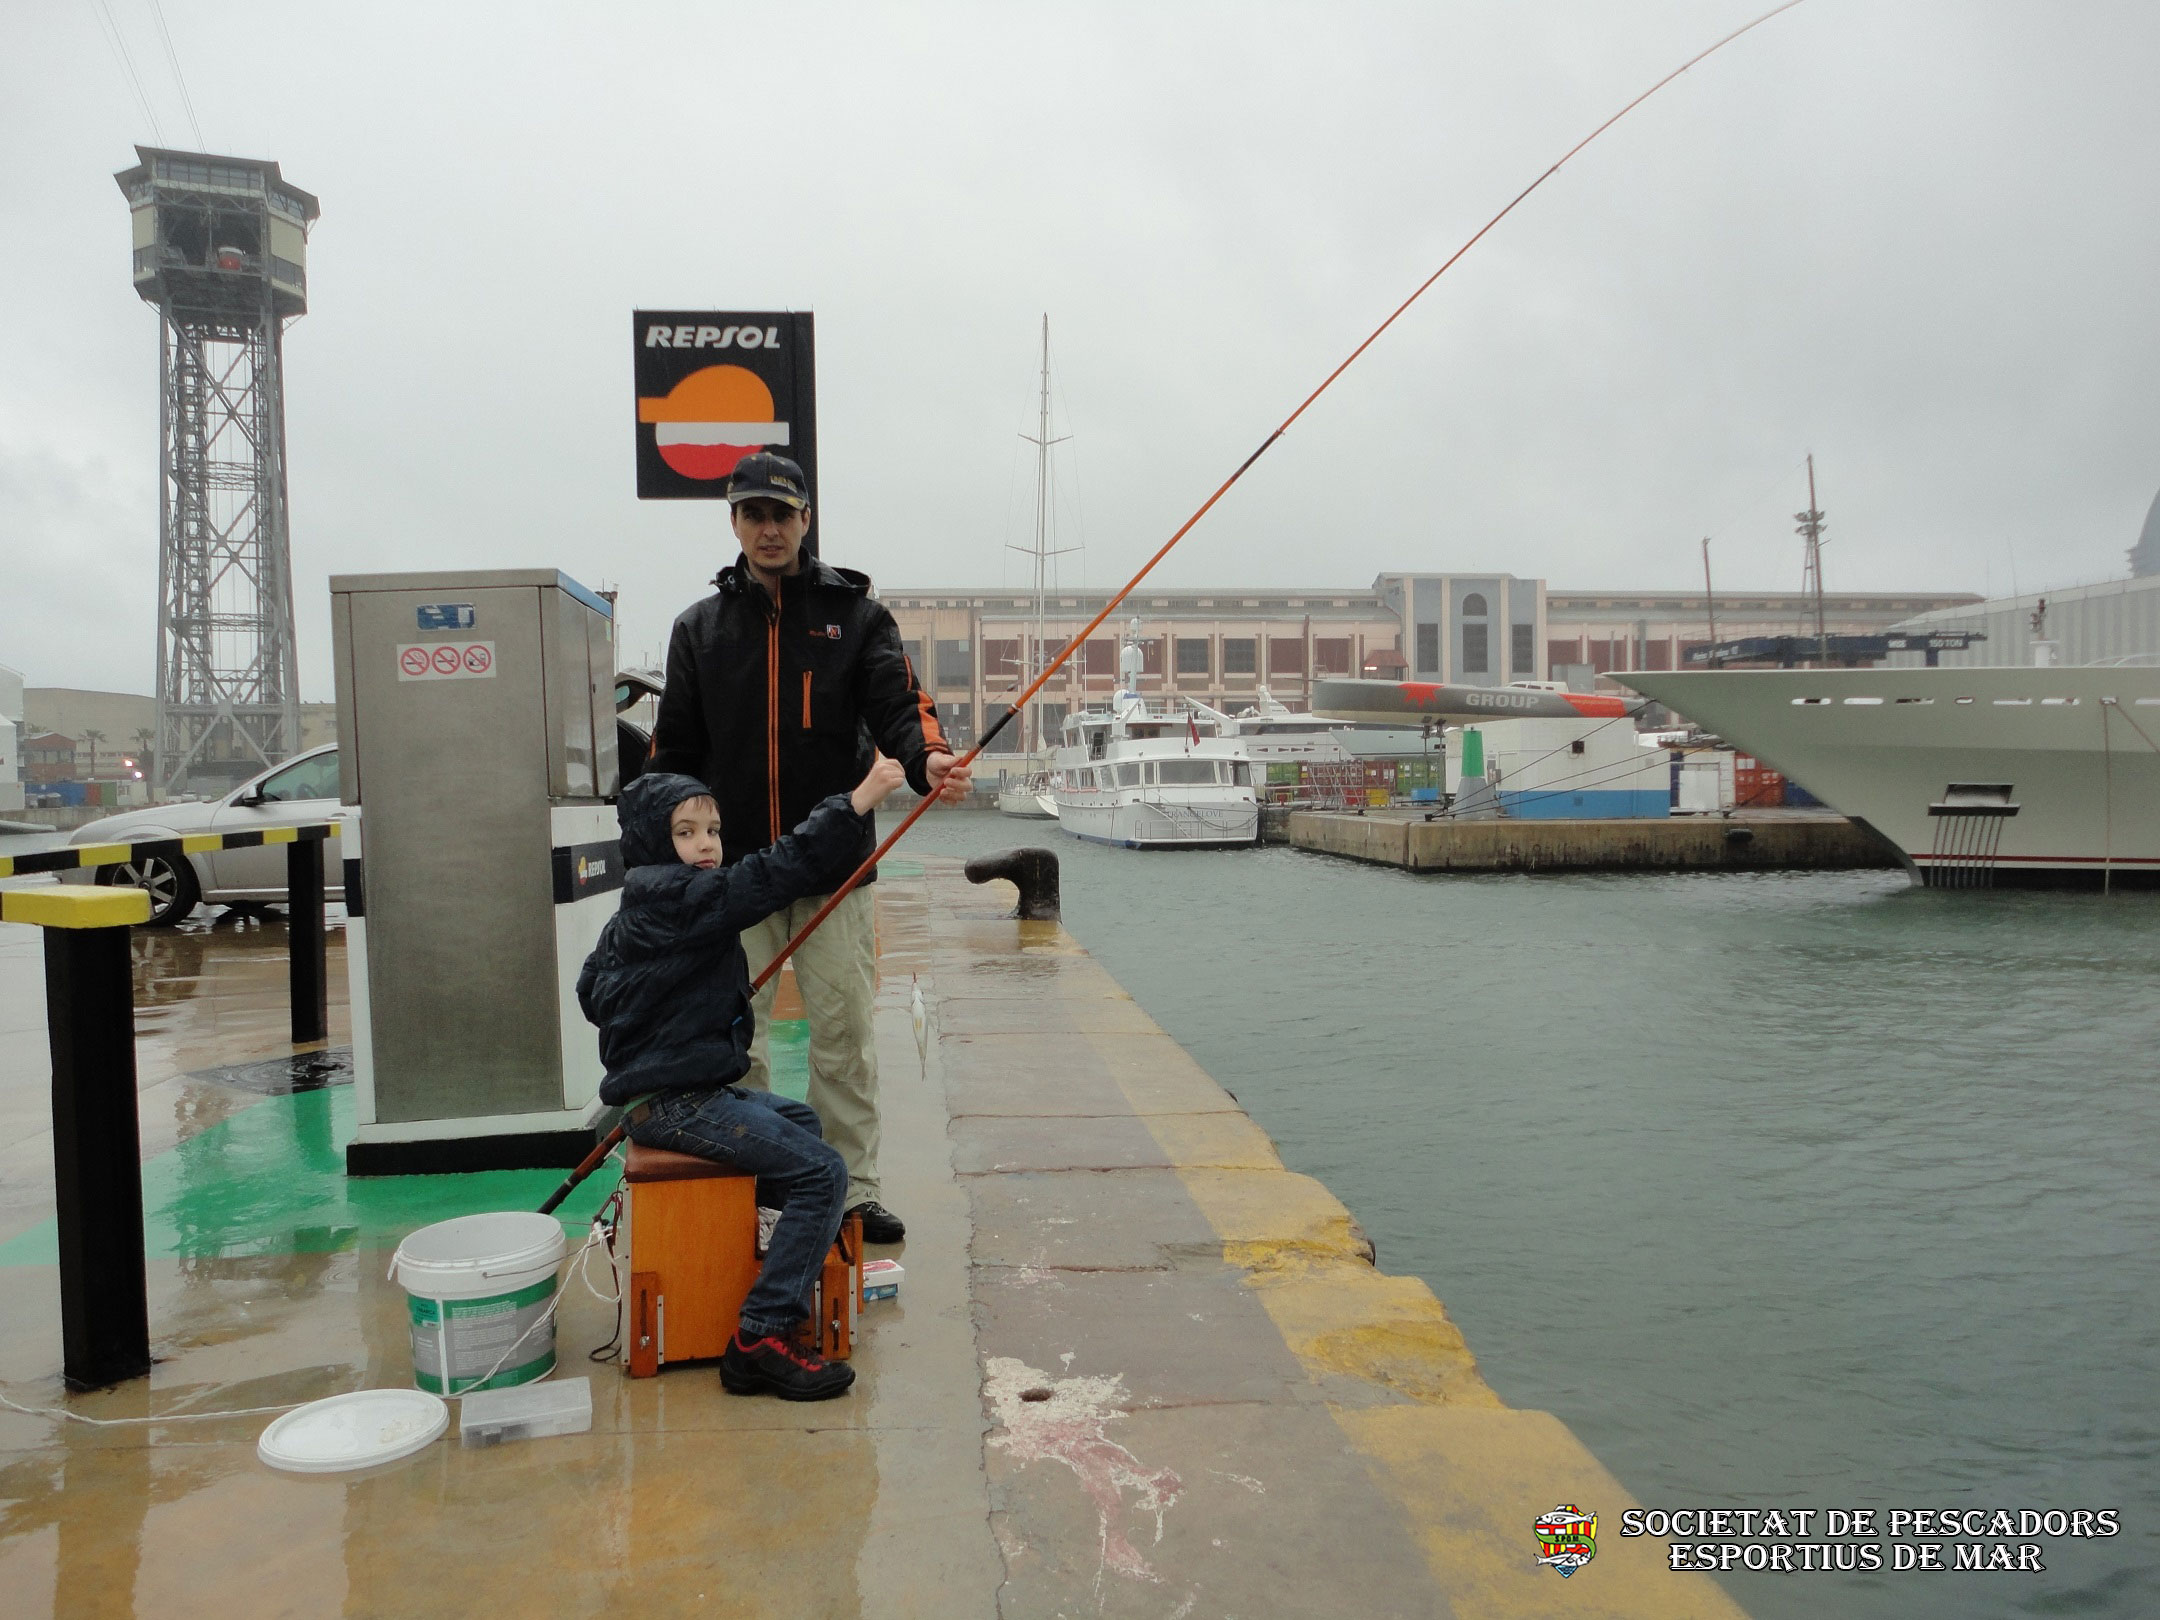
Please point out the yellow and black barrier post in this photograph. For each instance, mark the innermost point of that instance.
(306, 940)
(97, 1143)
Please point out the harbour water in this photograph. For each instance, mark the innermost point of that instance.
(1801, 1190)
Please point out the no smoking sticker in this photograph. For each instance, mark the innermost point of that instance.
(446, 661)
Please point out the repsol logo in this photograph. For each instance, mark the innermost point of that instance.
(712, 337)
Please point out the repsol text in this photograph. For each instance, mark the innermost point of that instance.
(712, 337)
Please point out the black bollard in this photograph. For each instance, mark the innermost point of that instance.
(1034, 872)
(305, 937)
(97, 1156)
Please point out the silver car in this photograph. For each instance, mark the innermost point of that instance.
(302, 790)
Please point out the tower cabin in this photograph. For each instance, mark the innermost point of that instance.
(218, 235)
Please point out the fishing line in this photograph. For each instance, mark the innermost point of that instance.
(1073, 645)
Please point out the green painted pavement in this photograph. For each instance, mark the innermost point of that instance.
(271, 1180)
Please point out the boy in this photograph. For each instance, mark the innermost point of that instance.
(670, 989)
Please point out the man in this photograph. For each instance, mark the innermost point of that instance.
(782, 688)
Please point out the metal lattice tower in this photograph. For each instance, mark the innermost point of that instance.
(221, 251)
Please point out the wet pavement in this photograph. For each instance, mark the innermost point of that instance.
(1137, 1366)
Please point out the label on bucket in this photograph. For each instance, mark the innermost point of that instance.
(476, 1332)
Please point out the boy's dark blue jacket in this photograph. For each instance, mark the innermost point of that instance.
(668, 983)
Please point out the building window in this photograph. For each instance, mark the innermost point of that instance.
(1475, 657)
(959, 722)
(1473, 606)
(1331, 655)
(1001, 660)
(1151, 656)
(1522, 649)
(1237, 655)
(1192, 655)
(1428, 649)
(1285, 655)
(955, 663)
(1099, 657)
(913, 652)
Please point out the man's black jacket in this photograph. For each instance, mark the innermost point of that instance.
(781, 706)
(668, 984)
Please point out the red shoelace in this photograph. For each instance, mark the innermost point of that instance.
(808, 1363)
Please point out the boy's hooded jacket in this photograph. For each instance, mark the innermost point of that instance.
(668, 984)
(782, 704)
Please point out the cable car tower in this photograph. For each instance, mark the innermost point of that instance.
(221, 251)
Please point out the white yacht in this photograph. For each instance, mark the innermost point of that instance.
(2032, 775)
(1145, 775)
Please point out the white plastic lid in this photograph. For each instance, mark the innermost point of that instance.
(359, 1430)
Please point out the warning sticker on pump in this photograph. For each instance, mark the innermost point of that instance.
(447, 661)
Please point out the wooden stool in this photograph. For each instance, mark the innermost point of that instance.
(693, 1260)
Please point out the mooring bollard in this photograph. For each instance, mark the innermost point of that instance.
(306, 937)
(97, 1143)
(1034, 872)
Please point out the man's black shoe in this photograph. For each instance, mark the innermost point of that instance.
(769, 1367)
(879, 1224)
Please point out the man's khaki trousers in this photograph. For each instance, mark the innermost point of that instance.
(836, 971)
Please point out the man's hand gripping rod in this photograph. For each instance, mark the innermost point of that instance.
(594, 1159)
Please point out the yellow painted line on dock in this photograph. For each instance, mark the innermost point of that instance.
(1470, 1474)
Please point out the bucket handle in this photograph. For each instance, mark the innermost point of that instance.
(399, 1253)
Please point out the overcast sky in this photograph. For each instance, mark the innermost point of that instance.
(1918, 239)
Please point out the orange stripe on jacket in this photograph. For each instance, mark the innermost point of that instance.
(926, 713)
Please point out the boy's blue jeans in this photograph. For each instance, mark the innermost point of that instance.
(779, 1141)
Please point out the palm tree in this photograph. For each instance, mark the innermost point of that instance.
(93, 737)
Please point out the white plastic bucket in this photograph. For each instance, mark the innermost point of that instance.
(475, 1287)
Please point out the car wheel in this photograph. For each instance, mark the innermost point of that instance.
(169, 882)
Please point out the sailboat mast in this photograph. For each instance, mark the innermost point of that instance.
(1042, 519)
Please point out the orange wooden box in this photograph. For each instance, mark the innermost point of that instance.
(693, 1257)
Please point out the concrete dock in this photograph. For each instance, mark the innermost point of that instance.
(1138, 1367)
(1751, 841)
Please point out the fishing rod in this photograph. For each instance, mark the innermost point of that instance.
(599, 1154)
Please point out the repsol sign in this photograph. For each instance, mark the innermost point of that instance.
(713, 386)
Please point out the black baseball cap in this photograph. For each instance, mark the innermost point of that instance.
(769, 477)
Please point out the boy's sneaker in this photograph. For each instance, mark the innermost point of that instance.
(770, 1367)
(879, 1224)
